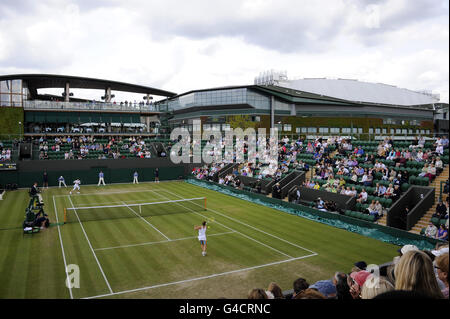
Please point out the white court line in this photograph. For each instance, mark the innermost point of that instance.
(62, 248)
(162, 242)
(146, 221)
(248, 237)
(114, 184)
(213, 275)
(93, 252)
(126, 201)
(150, 203)
(200, 278)
(108, 193)
(266, 233)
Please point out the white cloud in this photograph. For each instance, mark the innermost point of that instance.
(186, 45)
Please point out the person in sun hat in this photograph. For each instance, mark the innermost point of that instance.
(325, 287)
(356, 281)
(440, 251)
(403, 251)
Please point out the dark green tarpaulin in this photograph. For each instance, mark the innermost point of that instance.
(369, 229)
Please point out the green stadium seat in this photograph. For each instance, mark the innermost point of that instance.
(435, 221)
(388, 202)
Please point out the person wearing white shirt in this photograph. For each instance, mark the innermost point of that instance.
(431, 230)
(202, 236)
(76, 186)
(362, 196)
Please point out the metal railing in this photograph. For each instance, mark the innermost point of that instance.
(90, 106)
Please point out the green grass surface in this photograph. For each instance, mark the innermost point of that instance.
(249, 246)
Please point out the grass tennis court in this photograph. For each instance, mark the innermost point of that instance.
(159, 256)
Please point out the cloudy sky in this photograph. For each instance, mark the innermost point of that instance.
(180, 45)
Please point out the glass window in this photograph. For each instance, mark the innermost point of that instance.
(298, 130)
(282, 106)
(384, 130)
(370, 130)
(287, 127)
(16, 100)
(16, 86)
(398, 131)
(278, 127)
(377, 131)
(226, 127)
(304, 129)
(196, 127)
(5, 99)
(392, 131)
(215, 127)
(404, 131)
(5, 86)
(207, 127)
(346, 130)
(428, 131)
(312, 129)
(422, 131)
(410, 131)
(323, 130)
(335, 130)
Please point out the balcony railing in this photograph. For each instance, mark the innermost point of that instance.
(89, 106)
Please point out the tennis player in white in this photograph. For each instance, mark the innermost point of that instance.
(202, 236)
(76, 186)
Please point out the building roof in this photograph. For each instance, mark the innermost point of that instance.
(42, 81)
(362, 92)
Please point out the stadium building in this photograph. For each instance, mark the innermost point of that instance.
(46, 138)
(309, 107)
(313, 107)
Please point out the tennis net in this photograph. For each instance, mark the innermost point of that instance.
(91, 213)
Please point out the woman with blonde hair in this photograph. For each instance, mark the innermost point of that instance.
(414, 272)
(373, 286)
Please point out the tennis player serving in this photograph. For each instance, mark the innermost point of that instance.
(202, 236)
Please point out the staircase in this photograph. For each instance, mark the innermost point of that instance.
(425, 220)
(383, 220)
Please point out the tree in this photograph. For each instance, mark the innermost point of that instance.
(242, 121)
